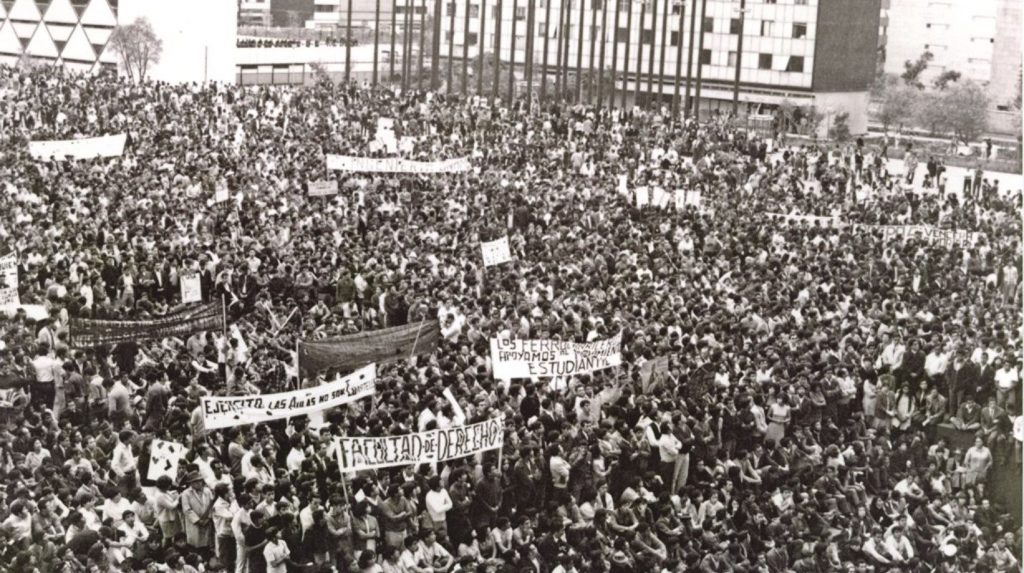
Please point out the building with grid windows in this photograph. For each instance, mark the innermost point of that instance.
(819, 53)
(980, 39)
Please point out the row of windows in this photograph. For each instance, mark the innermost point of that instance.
(799, 29)
(621, 6)
(764, 61)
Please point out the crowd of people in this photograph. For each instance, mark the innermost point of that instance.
(835, 399)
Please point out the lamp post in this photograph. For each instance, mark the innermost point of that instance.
(739, 62)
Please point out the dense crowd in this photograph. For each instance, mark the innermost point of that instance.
(818, 374)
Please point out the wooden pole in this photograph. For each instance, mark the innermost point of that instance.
(739, 63)
(406, 44)
(640, 55)
(435, 48)
(480, 52)
(394, 30)
(579, 51)
(423, 39)
(604, 42)
(531, 18)
(465, 49)
(665, 17)
(451, 42)
(679, 61)
(625, 56)
(654, 44)
(498, 15)
(512, 53)
(544, 56)
(348, 43)
(593, 41)
(689, 56)
(700, 66)
(565, 51)
(558, 67)
(376, 39)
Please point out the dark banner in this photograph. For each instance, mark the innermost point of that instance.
(86, 333)
(355, 350)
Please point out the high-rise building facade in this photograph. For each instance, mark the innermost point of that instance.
(804, 52)
(980, 39)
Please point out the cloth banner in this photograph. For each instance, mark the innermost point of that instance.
(227, 411)
(643, 197)
(811, 219)
(86, 333)
(512, 358)
(934, 235)
(191, 289)
(355, 350)
(396, 165)
(164, 458)
(85, 148)
(653, 373)
(35, 312)
(9, 280)
(364, 453)
(496, 252)
(322, 188)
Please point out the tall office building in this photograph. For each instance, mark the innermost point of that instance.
(803, 52)
(980, 39)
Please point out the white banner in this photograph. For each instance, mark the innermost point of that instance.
(496, 252)
(86, 148)
(934, 235)
(810, 219)
(322, 188)
(191, 289)
(396, 165)
(228, 411)
(9, 280)
(386, 134)
(221, 194)
(36, 312)
(164, 457)
(643, 197)
(512, 358)
(357, 453)
(684, 198)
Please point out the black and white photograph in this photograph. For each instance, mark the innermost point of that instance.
(511, 286)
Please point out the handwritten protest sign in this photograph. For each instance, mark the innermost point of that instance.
(9, 280)
(809, 219)
(164, 459)
(228, 411)
(85, 148)
(366, 453)
(396, 165)
(518, 358)
(191, 289)
(322, 188)
(934, 235)
(653, 373)
(496, 252)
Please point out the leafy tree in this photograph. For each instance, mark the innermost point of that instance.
(841, 127)
(947, 77)
(931, 113)
(912, 70)
(966, 109)
(138, 46)
(897, 106)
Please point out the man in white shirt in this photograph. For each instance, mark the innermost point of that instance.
(224, 511)
(133, 529)
(898, 544)
(123, 463)
(1006, 383)
(432, 554)
(892, 354)
(669, 447)
(276, 552)
(439, 503)
(296, 456)
(936, 363)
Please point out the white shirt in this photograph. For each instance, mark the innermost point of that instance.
(1006, 378)
(935, 363)
(273, 551)
(438, 504)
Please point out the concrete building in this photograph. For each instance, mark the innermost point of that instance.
(254, 13)
(804, 52)
(76, 34)
(980, 39)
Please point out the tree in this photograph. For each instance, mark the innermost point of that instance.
(912, 70)
(966, 109)
(840, 127)
(931, 112)
(947, 77)
(138, 47)
(896, 106)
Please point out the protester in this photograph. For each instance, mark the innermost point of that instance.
(792, 427)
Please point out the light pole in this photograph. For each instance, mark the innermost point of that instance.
(739, 62)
